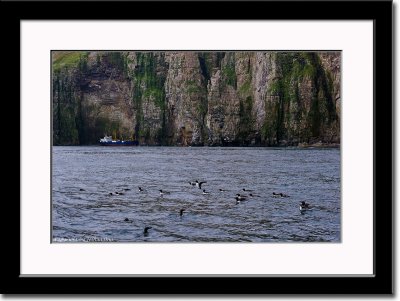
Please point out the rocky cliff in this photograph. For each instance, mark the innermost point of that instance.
(196, 98)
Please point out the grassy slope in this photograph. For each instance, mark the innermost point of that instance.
(63, 59)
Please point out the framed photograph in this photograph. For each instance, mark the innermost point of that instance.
(247, 152)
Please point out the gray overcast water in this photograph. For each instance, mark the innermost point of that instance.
(83, 210)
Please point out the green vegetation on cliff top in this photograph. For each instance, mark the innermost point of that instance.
(66, 59)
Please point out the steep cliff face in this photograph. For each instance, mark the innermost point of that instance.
(196, 98)
(186, 98)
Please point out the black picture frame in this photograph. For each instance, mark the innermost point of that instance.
(378, 11)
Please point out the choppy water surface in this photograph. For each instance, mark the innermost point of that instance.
(83, 209)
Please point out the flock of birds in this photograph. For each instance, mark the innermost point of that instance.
(239, 197)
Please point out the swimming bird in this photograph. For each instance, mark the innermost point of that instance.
(222, 190)
(198, 184)
(279, 195)
(244, 189)
(163, 192)
(146, 230)
(140, 189)
(205, 192)
(240, 197)
(126, 219)
(304, 206)
(119, 193)
(81, 189)
(181, 212)
(126, 189)
(110, 193)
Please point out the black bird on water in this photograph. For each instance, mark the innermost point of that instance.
(280, 194)
(198, 184)
(181, 212)
(140, 189)
(240, 198)
(163, 192)
(81, 189)
(146, 230)
(126, 219)
(304, 206)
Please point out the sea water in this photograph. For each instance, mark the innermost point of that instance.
(83, 210)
